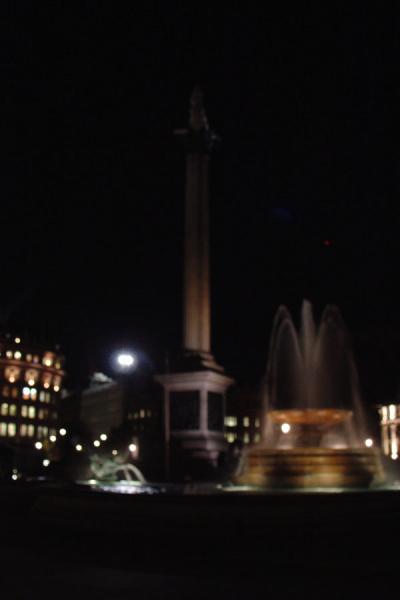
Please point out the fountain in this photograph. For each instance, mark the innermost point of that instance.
(315, 432)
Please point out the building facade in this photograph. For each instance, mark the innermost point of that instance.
(31, 382)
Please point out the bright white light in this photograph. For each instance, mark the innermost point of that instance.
(394, 456)
(17, 355)
(369, 443)
(56, 388)
(17, 340)
(285, 428)
(114, 452)
(63, 431)
(14, 477)
(46, 462)
(96, 443)
(78, 448)
(31, 382)
(38, 445)
(11, 379)
(125, 360)
(103, 437)
(132, 447)
(53, 438)
(46, 385)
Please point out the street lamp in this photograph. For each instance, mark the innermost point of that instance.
(125, 361)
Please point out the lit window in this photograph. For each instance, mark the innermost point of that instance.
(48, 359)
(31, 412)
(9, 354)
(46, 385)
(6, 391)
(23, 430)
(12, 410)
(257, 422)
(230, 421)
(257, 438)
(3, 428)
(12, 429)
(58, 365)
(14, 392)
(12, 373)
(26, 393)
(17, 355)
(33, 393)
(231, 437)
(31, 430)
(4, 409)
(24, 410)
(29, 357)
(246, 438)
(142, 413)
(246, 421)
(31, 376)
(56, 388)
(392, 411)
(42, 396)
(36, 358)
(41, 414)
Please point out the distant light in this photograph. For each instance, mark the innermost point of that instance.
(46, 462)
(369, 443)
(46, 385)
(56, 388)
(31, 382)
(63, 431)
(103, 437)
(285, 428)
(92, 481)
(78, 448)
(53, 438)
(17, 340)
(11, 379)
(394, 456)
(17, 354)
(114, 452)
(126, 360)
(14, 477)
(132, 447)
(38, 445)
(96, 443)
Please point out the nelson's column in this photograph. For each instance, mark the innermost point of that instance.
(194, 390)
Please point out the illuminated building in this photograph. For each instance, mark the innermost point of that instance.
(30, 386)
(390, 429)
(243, 420)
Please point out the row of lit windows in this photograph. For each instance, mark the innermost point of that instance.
(31, 377)
(25, 430)
(389, 413)
(231, 421)
(141, 414)
(27, 393)
(48, 358)
(26, 411)
(232, 437)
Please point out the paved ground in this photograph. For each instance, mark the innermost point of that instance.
(59, 543)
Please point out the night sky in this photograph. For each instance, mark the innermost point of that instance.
(304, 185)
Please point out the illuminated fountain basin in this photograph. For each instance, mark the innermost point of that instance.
(315, 433)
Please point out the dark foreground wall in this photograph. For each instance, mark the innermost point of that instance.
(311, 545)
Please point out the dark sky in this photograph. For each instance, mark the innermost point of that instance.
(306, 104)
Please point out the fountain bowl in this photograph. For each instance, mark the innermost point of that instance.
(311, 468)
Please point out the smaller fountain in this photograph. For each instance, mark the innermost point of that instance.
(315, 431)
